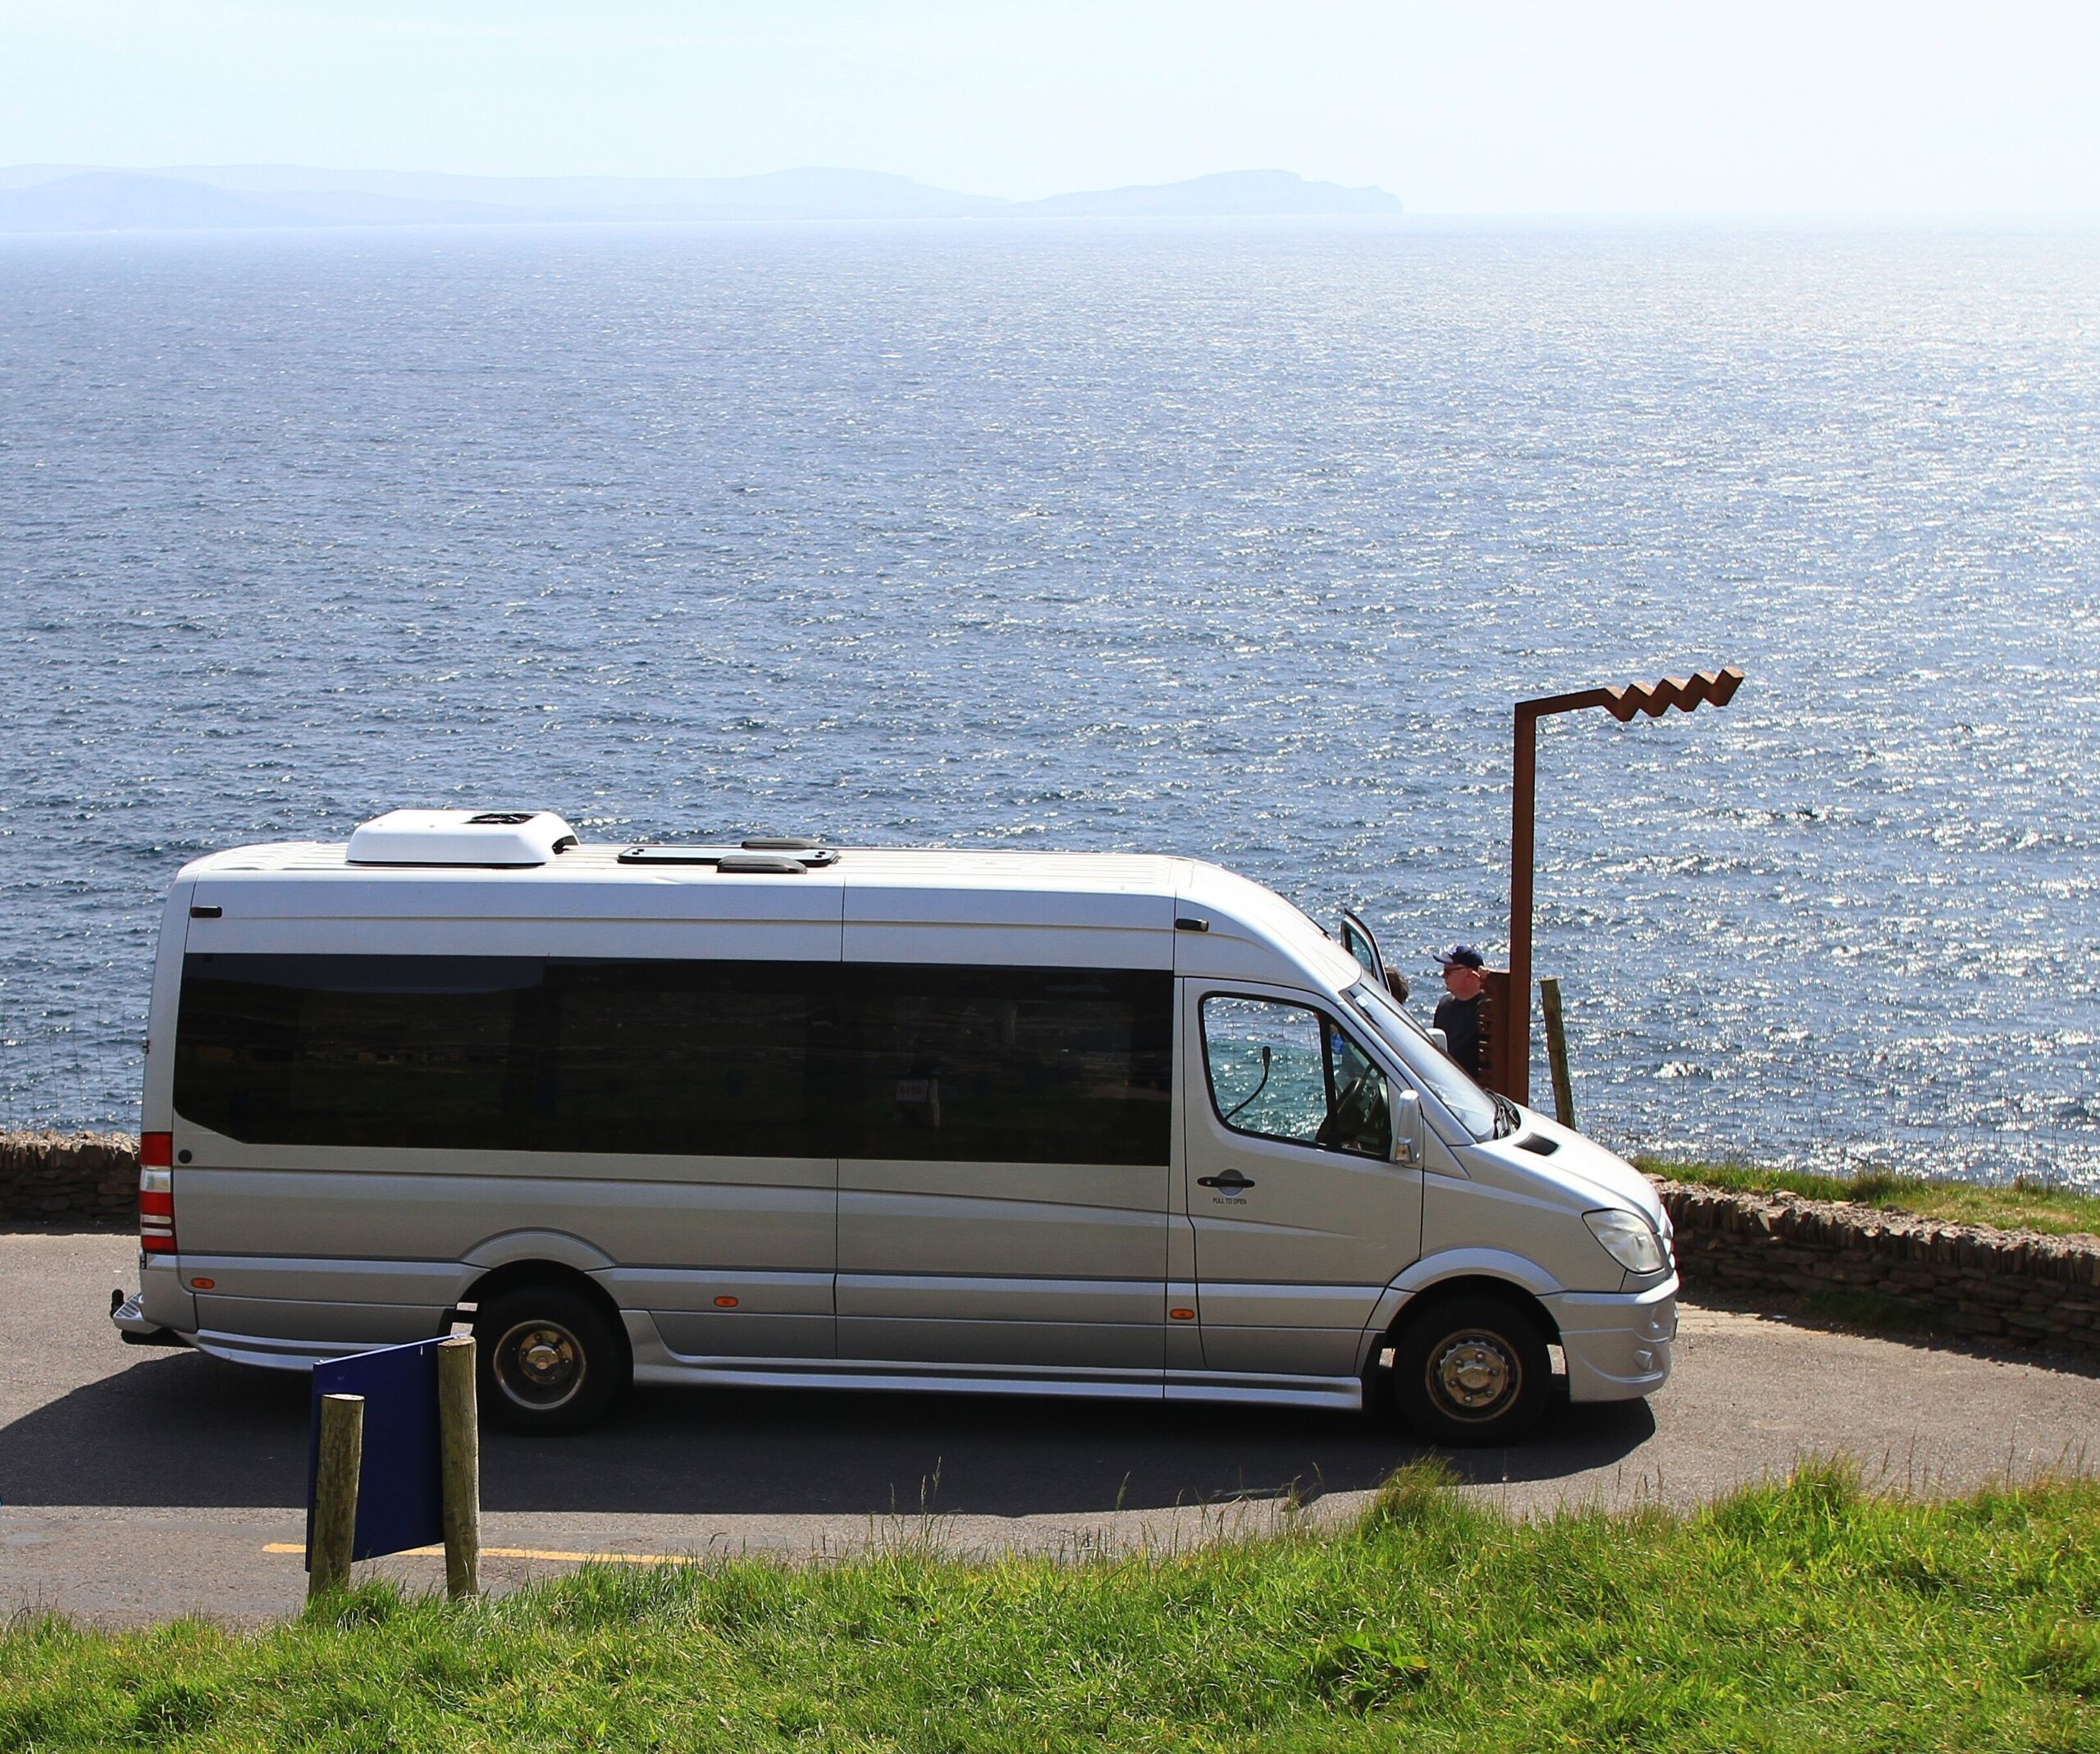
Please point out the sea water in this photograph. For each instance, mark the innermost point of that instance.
(1232, 540)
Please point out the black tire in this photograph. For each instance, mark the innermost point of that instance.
(550, 1359)
(1472, 1370)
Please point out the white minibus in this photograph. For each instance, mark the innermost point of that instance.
(786, 1113)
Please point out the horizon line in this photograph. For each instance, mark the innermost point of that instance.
(1415, 210)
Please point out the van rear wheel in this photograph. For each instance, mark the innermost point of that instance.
(1471, 1371)
(550, 1359)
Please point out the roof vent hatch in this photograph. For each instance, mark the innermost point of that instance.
(733, 859)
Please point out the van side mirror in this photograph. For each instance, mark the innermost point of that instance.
(1406, 1109)
(1442, 1042)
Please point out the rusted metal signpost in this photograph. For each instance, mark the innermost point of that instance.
(1510, 1067)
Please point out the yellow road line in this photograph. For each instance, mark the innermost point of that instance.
(611, 1559)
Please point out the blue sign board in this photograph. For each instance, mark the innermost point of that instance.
(400, 1487)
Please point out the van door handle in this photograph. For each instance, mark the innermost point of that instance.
(1232, 1182)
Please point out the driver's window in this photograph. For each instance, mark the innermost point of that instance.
(1267, 1070)
(1286, 1072)
(1361, 1119)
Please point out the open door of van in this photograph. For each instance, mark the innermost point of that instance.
(1357, 940)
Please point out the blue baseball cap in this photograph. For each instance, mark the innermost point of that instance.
(1463, 956)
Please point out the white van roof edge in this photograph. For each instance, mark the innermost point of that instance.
(868, 886)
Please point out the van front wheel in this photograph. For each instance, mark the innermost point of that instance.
(1472, 1371)
(550, 1359)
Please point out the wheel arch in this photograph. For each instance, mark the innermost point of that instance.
(522, 1248)
(1484, 1285)
(1491, 1273)
(514, 1276)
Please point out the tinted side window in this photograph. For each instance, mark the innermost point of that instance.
(695, 1058)
(492, 1052)
(744, 1059)
(1008, 1065)
(434, 1050)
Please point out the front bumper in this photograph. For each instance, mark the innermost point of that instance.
(1617, 1344)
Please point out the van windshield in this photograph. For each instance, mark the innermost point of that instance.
(1468, 1104)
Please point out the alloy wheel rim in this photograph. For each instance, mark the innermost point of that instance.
(1474, 1373)
(540, 1364)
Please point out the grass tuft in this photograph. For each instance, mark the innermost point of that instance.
(2026, 1202)
(1414, 1495)
(2066, 1658)
(1366, 1667)
(372, 1604)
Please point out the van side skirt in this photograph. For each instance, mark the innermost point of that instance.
(655, 1365)
(1342, 1394)
(654, 1362)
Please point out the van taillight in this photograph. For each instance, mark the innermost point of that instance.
(156, 1204)
(156, 1150)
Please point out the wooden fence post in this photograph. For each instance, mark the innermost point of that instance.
(335, 1493)
(1556, 1052)
(459, 1450)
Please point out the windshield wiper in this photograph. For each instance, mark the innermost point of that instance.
(1507, 1116)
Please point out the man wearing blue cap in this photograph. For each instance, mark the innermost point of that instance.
(1457, 1012)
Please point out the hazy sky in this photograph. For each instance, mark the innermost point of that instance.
(1616, 106)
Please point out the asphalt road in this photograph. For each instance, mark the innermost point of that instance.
(137, 1485)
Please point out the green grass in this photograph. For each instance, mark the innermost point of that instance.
(1791, 1616)
(2025, 1204)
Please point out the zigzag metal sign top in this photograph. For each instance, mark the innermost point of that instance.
(1684, 692)
(1511, 1072)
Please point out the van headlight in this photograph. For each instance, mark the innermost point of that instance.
(1628, 1239)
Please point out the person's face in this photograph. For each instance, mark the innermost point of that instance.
(1462, 982)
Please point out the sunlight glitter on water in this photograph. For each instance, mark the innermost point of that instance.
(1230, 540)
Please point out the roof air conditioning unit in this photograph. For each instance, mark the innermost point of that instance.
(487, 838)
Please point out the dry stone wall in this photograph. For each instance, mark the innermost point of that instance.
(88, 1178)
(2013, 1287)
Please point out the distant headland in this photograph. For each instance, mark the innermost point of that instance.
(194, 198)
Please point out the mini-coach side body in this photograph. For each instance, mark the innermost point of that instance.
(1037, 1123)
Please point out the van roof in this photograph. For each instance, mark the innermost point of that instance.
(1125, 873)
(1202, 918)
